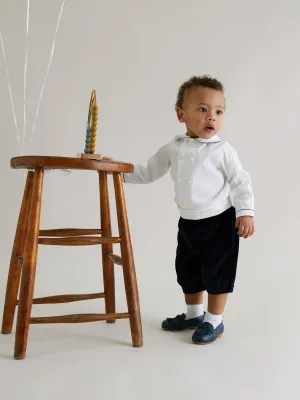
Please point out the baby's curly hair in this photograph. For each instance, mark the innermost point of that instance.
(194, 81)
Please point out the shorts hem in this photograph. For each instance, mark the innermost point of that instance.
(193, 291)
(213, 292)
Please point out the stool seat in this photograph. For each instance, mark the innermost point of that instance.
(49, 162)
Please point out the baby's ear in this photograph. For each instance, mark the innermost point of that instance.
(180, 114)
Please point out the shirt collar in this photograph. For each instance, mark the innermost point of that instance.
(213, 139)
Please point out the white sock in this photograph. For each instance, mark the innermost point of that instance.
(213, 319)
(194, 311)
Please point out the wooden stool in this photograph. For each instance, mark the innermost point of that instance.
(28, 236)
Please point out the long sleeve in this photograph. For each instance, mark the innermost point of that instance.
(157, 166)
(239, 181)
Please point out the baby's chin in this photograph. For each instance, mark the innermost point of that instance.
(205, 135)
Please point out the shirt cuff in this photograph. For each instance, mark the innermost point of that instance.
(245, 213)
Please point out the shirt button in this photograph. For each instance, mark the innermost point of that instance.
(190, 181)
(179, 180)
(192, 158)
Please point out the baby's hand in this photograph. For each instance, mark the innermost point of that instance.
(245, 226)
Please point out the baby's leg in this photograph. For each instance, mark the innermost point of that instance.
(216, 303)
(194, 305)
(196, 298)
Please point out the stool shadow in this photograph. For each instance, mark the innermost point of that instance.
(60, 340)
(180, 336)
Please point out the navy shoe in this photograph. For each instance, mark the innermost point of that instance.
(206, 334)
(179, 323)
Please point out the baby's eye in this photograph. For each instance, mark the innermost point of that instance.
(203, 109)
(219, 112)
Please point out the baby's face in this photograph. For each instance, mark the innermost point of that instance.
(202, 112)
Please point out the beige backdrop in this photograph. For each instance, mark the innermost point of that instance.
(136, 54)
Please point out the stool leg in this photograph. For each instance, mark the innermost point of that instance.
(14, 274)
(29, 266)
(108, 266)
(128, 264)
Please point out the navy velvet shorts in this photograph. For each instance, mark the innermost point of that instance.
(207, 253)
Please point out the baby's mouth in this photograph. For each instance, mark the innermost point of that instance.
(209, 128)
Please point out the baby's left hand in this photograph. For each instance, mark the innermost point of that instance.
(245, 226)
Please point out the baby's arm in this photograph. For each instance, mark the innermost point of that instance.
(241, 190)
(157, 166)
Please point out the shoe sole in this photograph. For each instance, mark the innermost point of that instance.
(179, 330)
(219, 337)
